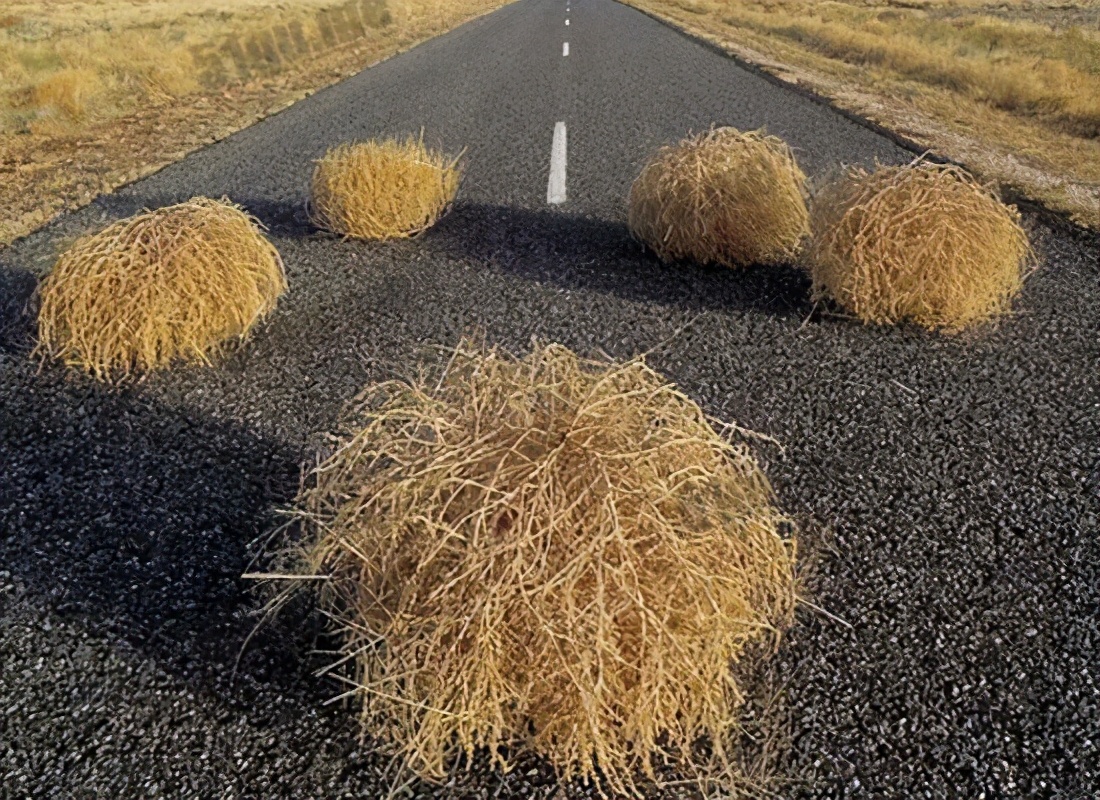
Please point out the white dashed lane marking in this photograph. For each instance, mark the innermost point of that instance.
(555, 189)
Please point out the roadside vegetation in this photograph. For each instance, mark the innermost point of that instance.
(67, 64)
(1011, 89)
(95, 93)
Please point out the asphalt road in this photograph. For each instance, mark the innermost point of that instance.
(946, 487)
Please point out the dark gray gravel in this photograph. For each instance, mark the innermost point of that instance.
(947, 487)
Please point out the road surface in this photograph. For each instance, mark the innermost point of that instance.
(945, 486)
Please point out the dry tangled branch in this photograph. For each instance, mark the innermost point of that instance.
(922, 242)
(547, 553)
(382, 189)
(174, 283)
(724, 196)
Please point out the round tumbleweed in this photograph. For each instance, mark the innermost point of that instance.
(382, 189)
(175, 283)
(920, 242)
(547, 553)
(722, 197)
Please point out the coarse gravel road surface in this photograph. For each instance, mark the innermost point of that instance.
(946, 487)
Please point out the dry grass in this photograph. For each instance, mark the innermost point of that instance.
(95, 93)
(1045, 71)
(723, 196)
(382, 189)
(69, 92)
(920, 242)
(547, 553)
(174, 283)
(1020, 67)
(1012, 89)
(65, 64)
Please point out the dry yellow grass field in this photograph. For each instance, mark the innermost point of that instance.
(1011, 89)
(91, 90)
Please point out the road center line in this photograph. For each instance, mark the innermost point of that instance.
(565, 50)
(555, 189)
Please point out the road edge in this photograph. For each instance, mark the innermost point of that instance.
(1049, 216)
(65, 212)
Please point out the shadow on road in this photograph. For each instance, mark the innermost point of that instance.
(281, 218)
(581, 253)
(571, 251)
(138, 518)
(16, 322)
